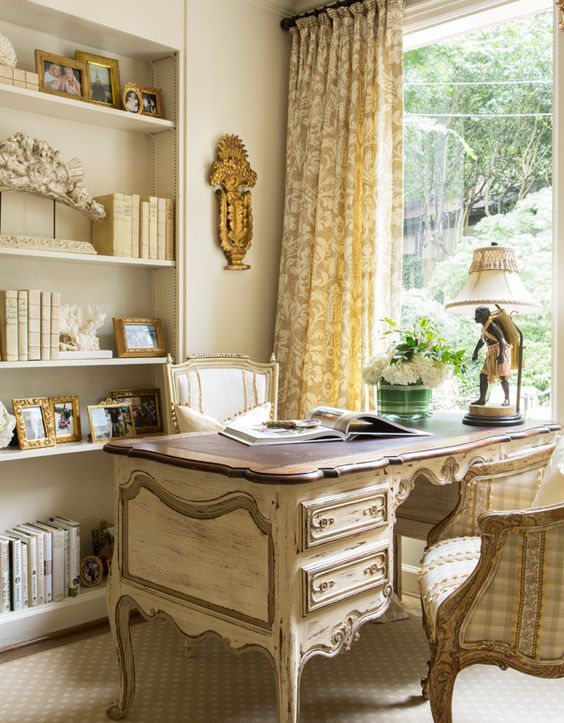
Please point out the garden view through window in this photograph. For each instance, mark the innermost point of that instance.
(478, 169)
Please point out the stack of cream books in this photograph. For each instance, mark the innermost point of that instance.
(39, 563)
(29, 325)
(139, 227)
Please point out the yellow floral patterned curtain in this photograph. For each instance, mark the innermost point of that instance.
(340, 269)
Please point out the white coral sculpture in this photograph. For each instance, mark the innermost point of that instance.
(78, 327)
(7, 52)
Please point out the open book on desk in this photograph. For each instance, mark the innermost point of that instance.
(323, 424)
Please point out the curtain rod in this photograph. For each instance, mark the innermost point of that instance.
(287, 23)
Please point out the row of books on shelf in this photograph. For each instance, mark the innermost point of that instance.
(39, 563)
(29, 324)
(135, 226)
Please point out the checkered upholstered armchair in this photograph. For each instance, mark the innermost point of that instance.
(492, 583)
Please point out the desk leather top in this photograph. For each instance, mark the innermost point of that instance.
(303, 462)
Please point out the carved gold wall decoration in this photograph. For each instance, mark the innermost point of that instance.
(233, 174)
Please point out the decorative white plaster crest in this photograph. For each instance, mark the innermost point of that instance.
(78, 327)
(32, 165)
(38, 243)
(7, 425)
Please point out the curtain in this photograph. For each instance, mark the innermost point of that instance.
(340, 269)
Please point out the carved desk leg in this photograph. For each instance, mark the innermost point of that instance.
(119, 611)
(287, 670)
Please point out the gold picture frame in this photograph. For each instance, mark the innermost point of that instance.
(66, 418)
(61, 82)
(151, 102)
(104, 86)
(146, 408)
(111, 420)
(131, 98)
(139, 337)
(91, 571)
(34, 422)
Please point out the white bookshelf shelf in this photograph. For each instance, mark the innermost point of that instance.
(58, 256)
(36, 102)
(13, 454)
(159, 360)
(84, 596)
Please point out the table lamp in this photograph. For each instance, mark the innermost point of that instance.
(495, 282)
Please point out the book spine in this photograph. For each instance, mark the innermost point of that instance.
(153, 227)
(25, 573)
(125, 240)
(16, 576)
(161, 228)
(55, 323)
(144, 229)
(45, 559)
(67, 563)
(34, 324)
(170, 229)
(45, 325)
(22, 325)
(4, 576)
(58, 565)
(135, 251)
(38, 556)
(32, 571)
(9, 324)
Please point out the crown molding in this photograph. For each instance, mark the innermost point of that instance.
(278, 7)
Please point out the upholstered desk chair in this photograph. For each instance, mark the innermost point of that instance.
(206, 392)
(492, 583)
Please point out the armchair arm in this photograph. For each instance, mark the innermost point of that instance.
(511, 603)
(507, 485)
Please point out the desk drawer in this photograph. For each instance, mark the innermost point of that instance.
(332, 518)
(340, 579)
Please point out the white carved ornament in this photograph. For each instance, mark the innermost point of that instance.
(32, 165)
(78, 327)
(7, 424)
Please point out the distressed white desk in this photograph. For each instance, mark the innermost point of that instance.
(283, 549)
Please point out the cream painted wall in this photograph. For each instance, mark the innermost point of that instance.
(236, 79)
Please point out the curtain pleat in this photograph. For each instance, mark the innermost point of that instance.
(340, 269)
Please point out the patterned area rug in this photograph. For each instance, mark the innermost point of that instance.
(376, 682)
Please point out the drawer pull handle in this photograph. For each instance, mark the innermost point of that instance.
(322, 522)
(324, 586)
(375, 569)
(374, 511)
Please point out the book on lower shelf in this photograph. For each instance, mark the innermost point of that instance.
(29, 324)
(323, 424)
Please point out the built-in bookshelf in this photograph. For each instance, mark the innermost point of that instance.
(121, 152)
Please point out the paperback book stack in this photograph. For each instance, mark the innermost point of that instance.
(135, 226)
(29, 324)
(39, 563)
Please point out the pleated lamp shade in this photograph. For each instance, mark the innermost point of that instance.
(494, 279)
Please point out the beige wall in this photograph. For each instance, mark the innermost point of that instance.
(237, 75)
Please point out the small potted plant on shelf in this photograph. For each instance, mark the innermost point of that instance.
(406, 373)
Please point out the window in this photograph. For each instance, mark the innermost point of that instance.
(478, 168)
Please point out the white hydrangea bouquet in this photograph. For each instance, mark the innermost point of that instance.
(419, 357)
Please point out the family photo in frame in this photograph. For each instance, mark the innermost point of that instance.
(111, 420)
(103, 79)
(139, 337)
(61, 76)
(66, 415)
(145, 407)
(34, 422)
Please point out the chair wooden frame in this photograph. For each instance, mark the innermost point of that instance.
(449, 653)
(269, 369)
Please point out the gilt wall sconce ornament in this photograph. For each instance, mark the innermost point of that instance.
(234, 176)
(560, 4)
